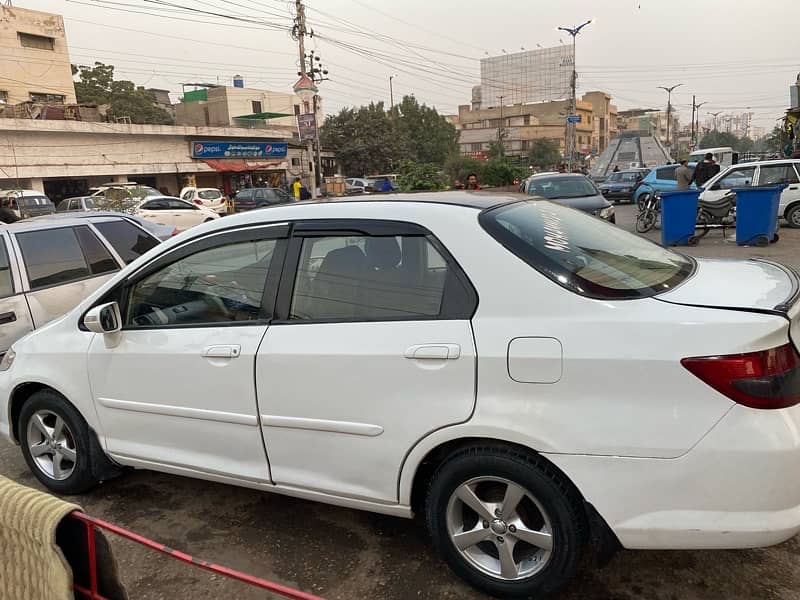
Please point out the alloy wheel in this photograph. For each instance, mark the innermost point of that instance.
(499, 528)
(51, 444)
(795, 218)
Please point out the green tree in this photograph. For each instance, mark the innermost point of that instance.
(364, 138)
(717, 139)
(124, 99)
(544, 153)
(416, 176)
(425, 135)
(460, 167)
(772, 142)
(500, 172)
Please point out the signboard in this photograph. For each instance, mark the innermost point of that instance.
(239, 150)
(573, 118)
(307, 126)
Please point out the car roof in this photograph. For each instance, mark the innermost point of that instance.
(38, 223)
(477, 200)
(774, 161)
(557, 175)
(23, 192)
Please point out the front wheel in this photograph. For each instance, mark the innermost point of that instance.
(56, 443)
(793, 217)
(506, 522)
(642, 200)
(645, 221)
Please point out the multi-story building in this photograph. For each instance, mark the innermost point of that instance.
(234, 106)
(34, 42)
(604, 119)
(649, 122)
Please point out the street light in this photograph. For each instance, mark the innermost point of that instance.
(571, 127)
(669, 109)
(391, 92)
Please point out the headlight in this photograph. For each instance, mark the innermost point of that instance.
(606, 213)
(8, 360)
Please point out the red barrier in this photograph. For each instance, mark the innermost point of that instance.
(92, 593)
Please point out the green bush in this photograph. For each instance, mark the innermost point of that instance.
(421, 177)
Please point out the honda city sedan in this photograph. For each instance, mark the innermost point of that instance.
(456, 355)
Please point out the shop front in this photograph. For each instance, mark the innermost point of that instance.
(244, 164)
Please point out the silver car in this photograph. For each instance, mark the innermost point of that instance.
(47, 266)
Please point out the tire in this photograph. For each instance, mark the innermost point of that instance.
(793, 217)
(75, 444)
(642, 200)
(550, 513)
(645, 221)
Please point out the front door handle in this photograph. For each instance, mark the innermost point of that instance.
(227, 351)
(8, 317)
(794, 187)
(433, 352)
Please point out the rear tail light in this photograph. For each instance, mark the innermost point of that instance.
(767, 379)
(198, 201)
(175, 231)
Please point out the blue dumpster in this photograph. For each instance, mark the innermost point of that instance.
(678, 217)
(757, 214)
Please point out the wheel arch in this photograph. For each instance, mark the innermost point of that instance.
(789, 207)
(20, 395)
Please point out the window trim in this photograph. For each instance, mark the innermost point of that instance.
(449, 311)
(120, 293)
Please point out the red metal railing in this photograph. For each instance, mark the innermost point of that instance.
(91, 523)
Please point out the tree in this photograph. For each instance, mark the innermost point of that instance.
(425, 135)
(544, 153)
(500, 171)
(124, 99)
(717, 139)
(772, 142)
(421, 176)
(364, 138)
(460, 167)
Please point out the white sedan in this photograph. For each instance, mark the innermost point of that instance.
(210, 198)
(535, 381)
(165, 210)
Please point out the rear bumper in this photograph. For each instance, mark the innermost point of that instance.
(737, 488)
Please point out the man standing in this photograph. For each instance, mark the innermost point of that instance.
(705, 170)
(472, 182)
(683, 175)
(296, 187)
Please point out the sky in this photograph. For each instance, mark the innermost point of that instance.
(735, 56)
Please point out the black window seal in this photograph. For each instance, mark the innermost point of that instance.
(376, 228)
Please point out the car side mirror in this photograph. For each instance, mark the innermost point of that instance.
(104, 318)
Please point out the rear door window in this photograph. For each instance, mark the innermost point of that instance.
(97, 255)
(666, 174)
(584, 255)
(52, 257)
(6, 282)
(129, 241)
(775, 174)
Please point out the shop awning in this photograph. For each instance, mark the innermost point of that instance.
(263, 116)
(228, 165)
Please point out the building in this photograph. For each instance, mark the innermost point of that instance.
(649, 122)
(34, 42)
(66, 158)
(519, 124)
(604, 119)
(162, 100)
(234, 106)
(524, 77)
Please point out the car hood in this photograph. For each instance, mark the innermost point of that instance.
(585, 203)
(755, 284)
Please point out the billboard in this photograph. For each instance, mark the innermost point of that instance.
(239, 149)
(530, 76)
(307, 126)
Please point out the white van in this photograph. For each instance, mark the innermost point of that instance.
(724, 156)
(26, 203)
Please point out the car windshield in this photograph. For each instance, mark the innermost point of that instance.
(209, 194)
(88, 203)
(34, 201)
(562, 187)
(583, 254)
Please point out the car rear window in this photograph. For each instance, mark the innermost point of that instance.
(584, 254)
(576, 186)
(129, 241)
(33, 201)
(209, 194)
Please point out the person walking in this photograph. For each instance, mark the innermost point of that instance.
(683, 175)
(296, 187)
(705, 170)
(616, 169)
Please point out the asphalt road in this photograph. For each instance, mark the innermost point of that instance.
(345, 554)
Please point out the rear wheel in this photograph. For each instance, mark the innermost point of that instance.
(506, 522)
(56, 443)
(793, 216)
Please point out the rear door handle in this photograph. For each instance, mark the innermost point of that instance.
(794, 187)
(433, 352)
(7, 317)
(229, 351)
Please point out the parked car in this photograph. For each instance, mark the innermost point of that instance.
(26, 203)
(354, 186)
(162, 232)
(622, 184)
(252, 198)
(402, 304)
(78, 204)
(122, 197)
(573, 190)
(208, 197)
(173, 212)
(359, 182)
(769, 172)
(378, 185)
(660, 179)
(48, 266)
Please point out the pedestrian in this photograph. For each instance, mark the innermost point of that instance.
(296, 187)
(683, 176)
(304, 193)
(705, 170)
(616, 169)
(457, 185)
(472, 182)
(562, 168)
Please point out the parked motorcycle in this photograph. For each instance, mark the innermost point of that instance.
(716, 214)
(649, 213)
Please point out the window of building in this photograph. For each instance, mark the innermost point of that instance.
(526, 119)
(256, 106)
(295, 161)
(214, 286)
(297, 109)
(40, 97)
(476, 147)
(525, 144)
(365, 278)
(40, 42)
(3, 97)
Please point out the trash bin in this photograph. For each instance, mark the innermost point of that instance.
(757, 214)
(678, 218)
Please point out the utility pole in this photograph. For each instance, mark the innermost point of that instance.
(697, 129)
(715, 115)
(572, 127)
(669, 111)
(500, 127)
(300, 32)
(391, 93)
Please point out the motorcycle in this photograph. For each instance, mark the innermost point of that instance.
(649, 213)
(716, 214)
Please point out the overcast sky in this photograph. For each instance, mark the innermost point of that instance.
(733, 55)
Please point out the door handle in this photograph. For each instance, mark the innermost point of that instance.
(433, 352)
(8, 317)
(231, 351)
(794, 187)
